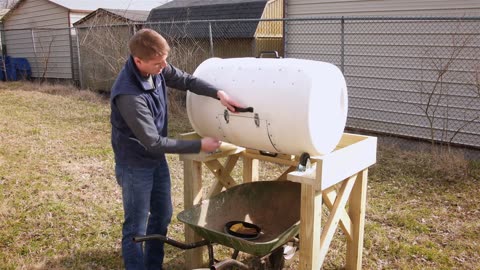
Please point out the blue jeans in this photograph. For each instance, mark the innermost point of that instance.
(144, 191)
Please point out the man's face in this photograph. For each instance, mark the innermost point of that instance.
(151, 66)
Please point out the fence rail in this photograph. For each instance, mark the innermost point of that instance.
(415, 76)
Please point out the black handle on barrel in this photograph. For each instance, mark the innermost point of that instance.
(246, 109)
(268, 52)
(239, 109)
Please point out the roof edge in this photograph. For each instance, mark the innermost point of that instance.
(218, 4)
(20, 2)
(97, 11)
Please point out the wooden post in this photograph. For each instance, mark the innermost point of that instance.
(222, 174)
(310, 227)
(356, 209)
(192, 196)
(250, 169)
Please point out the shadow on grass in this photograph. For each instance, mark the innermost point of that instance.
(90, 259)
(103, 260)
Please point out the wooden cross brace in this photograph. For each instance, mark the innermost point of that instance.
(336, 203)
(222, 174)
(315, 238)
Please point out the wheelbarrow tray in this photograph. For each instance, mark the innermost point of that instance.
(274, 206)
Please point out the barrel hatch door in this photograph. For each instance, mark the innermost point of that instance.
(249, 131)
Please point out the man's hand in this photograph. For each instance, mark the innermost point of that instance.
(210, 144)
(227, 101)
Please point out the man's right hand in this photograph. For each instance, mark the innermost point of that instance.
(210, 144)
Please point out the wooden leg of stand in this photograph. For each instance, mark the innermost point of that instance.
(250, 169)
(356, 210)
(192, 196)
(310, 228)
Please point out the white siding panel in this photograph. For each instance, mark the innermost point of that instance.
(41, 22)
(53, 45)
(40, 11)
(309, 8)
(37, 13)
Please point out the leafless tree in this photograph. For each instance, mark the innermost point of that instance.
(435, 96)
(476, 80)
(42, 47)
(46, 56)
(103, 49)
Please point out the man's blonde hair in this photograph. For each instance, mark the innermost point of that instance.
(147, 43)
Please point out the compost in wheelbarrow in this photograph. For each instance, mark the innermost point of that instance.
(274, 206)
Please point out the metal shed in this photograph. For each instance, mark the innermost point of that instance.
(412, 67)
(214, 28)
(40, 30)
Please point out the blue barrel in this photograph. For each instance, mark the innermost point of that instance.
(22, 68)
(14, 69)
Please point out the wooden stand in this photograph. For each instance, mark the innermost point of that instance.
(338, 180)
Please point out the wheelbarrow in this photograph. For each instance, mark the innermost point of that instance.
(271, 207)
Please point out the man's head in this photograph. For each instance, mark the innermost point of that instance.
(149, 50)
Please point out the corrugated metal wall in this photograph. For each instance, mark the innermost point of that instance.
(269, 29)
(47, 50)
(315, 8)
(411, 77)
(269, 34)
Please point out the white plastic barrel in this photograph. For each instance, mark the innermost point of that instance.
(299, 105)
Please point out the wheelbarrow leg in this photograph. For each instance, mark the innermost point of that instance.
(172, 242)
(276, 259)
(235, 254)
(211, 258)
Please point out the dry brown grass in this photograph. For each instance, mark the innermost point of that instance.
(60, 207)
(60, 89)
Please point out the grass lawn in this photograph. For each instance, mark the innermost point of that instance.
(60, 206)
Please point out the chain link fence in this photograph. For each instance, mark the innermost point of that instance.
(413, 77)
(103, 49)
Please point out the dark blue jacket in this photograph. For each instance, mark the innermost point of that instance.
(128, 149)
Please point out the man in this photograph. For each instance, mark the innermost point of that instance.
(139, 139)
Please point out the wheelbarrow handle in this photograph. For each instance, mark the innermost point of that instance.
(163, 238)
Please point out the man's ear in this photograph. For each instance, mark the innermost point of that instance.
(137, 60)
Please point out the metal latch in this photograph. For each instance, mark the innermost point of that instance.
(226, 116)
(257, 120)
